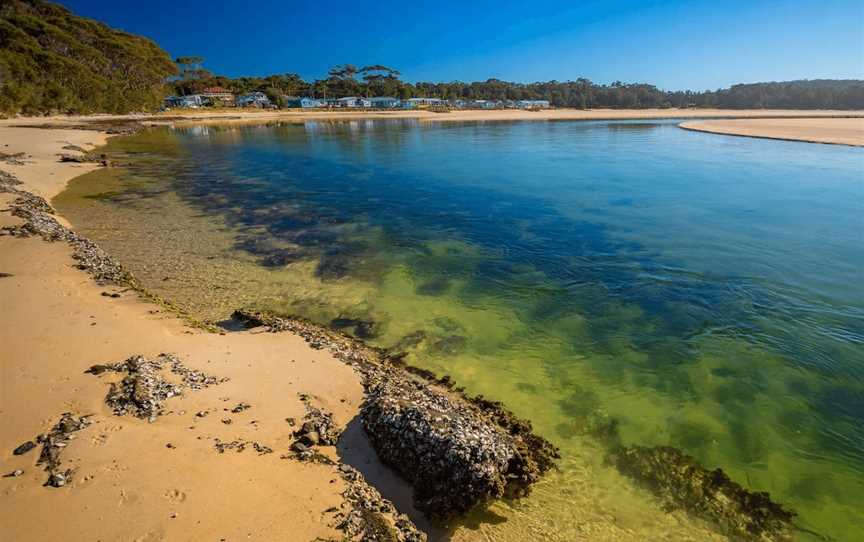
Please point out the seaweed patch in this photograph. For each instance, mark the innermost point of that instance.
(679, 481)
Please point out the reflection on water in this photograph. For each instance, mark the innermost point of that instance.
(609, 281)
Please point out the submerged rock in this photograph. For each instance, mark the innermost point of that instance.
(679, 481)
(449, 345)
(363, 329)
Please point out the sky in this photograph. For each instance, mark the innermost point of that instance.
(673, 44)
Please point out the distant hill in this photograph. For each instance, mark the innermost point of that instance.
(806, 94)
(52, 61)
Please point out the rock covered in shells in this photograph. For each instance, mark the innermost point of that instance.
(454, 457)
(681, 482)
(144, 389)
(457, 451)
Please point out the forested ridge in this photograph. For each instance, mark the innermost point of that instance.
(52, 61)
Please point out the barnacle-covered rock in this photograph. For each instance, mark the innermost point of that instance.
(457, 451)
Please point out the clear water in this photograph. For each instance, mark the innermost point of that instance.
(702, 291)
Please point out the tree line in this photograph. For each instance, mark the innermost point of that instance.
(377, 80)
(52, 61)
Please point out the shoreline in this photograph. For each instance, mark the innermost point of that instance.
(199, 350)
(847, 131)
(123, 477)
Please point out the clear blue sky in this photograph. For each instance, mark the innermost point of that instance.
(673, 44)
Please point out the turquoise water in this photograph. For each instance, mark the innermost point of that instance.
(689, 289)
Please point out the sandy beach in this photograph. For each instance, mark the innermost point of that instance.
(839, 131)
(136, 480)
(255, 115)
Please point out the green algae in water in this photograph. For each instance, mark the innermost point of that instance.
(535, 265)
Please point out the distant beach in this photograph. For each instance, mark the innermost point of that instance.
(838, 131)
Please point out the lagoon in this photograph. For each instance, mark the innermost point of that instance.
(613, 282)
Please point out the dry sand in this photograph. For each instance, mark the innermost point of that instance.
(840, 131)
(252, 115)
(128, 484)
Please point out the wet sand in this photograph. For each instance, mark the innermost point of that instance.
(838, 131)
(129, 484)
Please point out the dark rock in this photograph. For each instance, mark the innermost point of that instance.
(24, 448)
(332, 266)
(412, 340)
(54, 442)
(14, 474)
(679, 481)
(240, 408)
(6, 275)
(363, 329)
(454, 457)
(318, 429)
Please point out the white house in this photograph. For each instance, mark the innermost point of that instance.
(532, 104)
(426, 101)
(304, 102)
(350, 101)
(384, 102)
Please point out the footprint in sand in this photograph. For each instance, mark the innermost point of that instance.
(175, 495)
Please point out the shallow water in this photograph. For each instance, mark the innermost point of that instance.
(688, 289)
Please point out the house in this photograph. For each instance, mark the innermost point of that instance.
(533, 104)
(253, 99)
(485, 104)
(191, 101)
(218, 95)
(353, 101)
(304, 102)
(384, 102)
(350, 101)
(426, 102)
